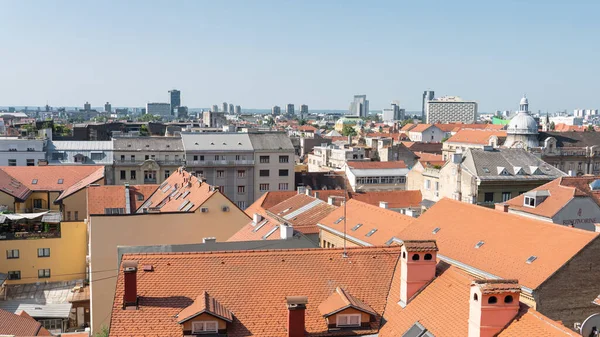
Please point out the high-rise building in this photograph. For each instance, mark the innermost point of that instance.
(394, 113)
(87, 106)
(215, 108)
(224, 107)
(107, 107)
(175, 100)
(181, 112)
(231, 108)
(303, 111)
(427, 96)
(450, 109)
(275, 110)
(158, 109)
(238, 110)
(290, 110)
(359, 106)
(214, 119)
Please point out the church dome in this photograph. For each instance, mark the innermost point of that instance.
(522, 124)
(524, 101)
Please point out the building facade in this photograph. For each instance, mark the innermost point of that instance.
(290, 110)
(214, 119)
(450, 109)
(87, 152)
(16, 151)
(175, 99)
(158, 109)
(427, 96)
(333, 157)
(359, 106)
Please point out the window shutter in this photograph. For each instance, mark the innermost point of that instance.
(211, 326)
(354, 320)
(343, 320)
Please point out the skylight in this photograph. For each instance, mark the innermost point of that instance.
(259, 226)
(270, 232)
(185, 194)
(188, 207)
(356, 227)
(60, 181)
(338, 220)
(531, 259)
(371, 232)
(183, 204)
(595, 185)
(435, 230)
(479, 244)
(486, 170)
(34, 181)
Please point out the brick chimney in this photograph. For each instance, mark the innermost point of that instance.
(130, 298)
(296, 310)
(418, 262)
(493, 304)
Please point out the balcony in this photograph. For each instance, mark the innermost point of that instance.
(29, 226)
(219, 163)
(149, 180)
(140, 162)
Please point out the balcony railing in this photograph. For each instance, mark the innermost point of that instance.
(149, 181)
(205, 163)
(127, 162)
(37, 230)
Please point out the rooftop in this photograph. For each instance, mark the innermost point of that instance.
(148, 144)
(20, 325)
(421, 127)
(480, 137)
(376, 165)
(103, 197)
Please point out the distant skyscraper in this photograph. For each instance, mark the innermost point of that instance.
(231, 108)
(181, 111)
(107, 107)
(393, 114)
(359, 106)
(290, 110)
(158, 109)
(87, 106)
(175, 99)
(275, 110)
(427, 96)
(238, 110)
(303, 111)
(450, 109)
(224, 107)
(215, 108)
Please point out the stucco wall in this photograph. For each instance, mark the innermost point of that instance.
(336, 240)
(108, 232)
(581, 213)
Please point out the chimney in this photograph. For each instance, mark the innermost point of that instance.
(493, 304)
(502, 207)
(209, 239)
(296, 307)
(383, 204)
(316, 194)
(571, 173)
(418, 264)
(130, 298)
(301, 189)
(307, 191)
(127, 199)
(256, 218)
(597, 227)
(330, 200)
(286, 231)
(349, 140)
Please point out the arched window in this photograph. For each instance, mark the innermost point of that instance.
(475, 297)
(508, 299)
(428, 257)
(416, 257)
(492, 300)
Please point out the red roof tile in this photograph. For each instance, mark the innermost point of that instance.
(302, 212)
(20, 325)
(204, 303)
(341, 300)
(395, 199)
(49, 177)
(81, 184)
(12, 186)
(481, 137)
(101, 197)
(362, 165)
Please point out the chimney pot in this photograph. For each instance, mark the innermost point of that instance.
(130, 278)
(209, 239)
(307, 191)
(301, 189)
(296, 315)
(418, 263)
(256, 218)
(493, 304)
(330, 201)
(502, 207)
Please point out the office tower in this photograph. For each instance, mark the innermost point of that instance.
(175, 99)
(303, 111)
(290, 110)
(158, 109)
(450, 109)
(181, 112)
(215, 108)
(238, 109)
(11, 109)
(275, 110)
(87, 106)
(427, 96)
(394, 113)
(214, 119)
(359, 106)
(107, 107)
(224, 107)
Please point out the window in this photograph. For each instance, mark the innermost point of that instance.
(132, 175)
(167, 157)
(14, 275)
(132, 157)
(30, 162)
(217, 157)
(199, 173)
(348, 320)
(114, 211)
(37, 203)
(264, 159)
(505, 196)
(241, 189)
(241, 173)
(195, 158)
(201, 158)
(427, 184)
(283, 186)
(139, 197)
(43, 273)
(123, 175)
(488, 197)
(147, 157)
(96, 156)
(241, 205)
(69, 215)
(12, 254)
(204, 326)
(12, 162)
(437, 186)
(529, 201)
(579, 166)
(284, 159)
(76, 215)
(167, 174)
(263, 187)
(284, 173)
(220, 174)
(43, 252)
(51, 324)
(122, 157)
(264, 173)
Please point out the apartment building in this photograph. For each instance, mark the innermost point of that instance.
(16, 151)
(333, 157)
(146, 160)
(450, 109)
(376, 176)
(472, 139)
(88, 152)
(575, 152)
(274, 159)
(426, 133)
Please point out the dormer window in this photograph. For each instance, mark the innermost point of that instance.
(205, 327)
(351, 320)
(529, 201)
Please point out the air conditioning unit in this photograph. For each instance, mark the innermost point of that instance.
(225, 208)
(204, 210)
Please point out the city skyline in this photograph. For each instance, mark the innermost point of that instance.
(450, 48)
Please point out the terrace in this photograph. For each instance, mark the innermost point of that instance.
(25, 226)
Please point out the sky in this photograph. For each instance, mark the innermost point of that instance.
(316, 52)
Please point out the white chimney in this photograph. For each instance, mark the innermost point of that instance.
(307, 191)
(301, 189)
(209, 239)
(286, 231)
(571, 173)
(330, 201)
(383, 204)
(256, 218)
(316, 194)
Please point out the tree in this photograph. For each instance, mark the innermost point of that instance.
(552, 126)
(149, 118)
(302, 122)
(103, 332)
(591, 128)
(144, 131)
(270, 121)
(348, 130)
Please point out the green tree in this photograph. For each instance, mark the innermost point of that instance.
(552, 126)
(103, 332)
(348, 130)
(270, 121)
(591, 128)
(302, 122)
(149, 118)
(144, 131)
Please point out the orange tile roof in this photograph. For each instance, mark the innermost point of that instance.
(532, 323)
(481, 137)
(302, 212)
(81, 184)
(204, 303)
(509, 240)
(421, 127)
(498, 286)
(342, 300)
(596, 300)
(270, 199)
(395, 199)
(387, 223)
(20, 325)
(307, 128)
(408, 127)
(365, 165)
(101, 197)
(256, 287)
(48, 176)
(13, 187)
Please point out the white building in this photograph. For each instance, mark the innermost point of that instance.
(568, 120)
(394, 113)
(522, 131)
(332, 157)
(158, 109)
(451, 109)
(359, 106)
(21, 152)
(89, 152)
(376, 176)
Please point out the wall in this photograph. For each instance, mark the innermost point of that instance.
(273, 166)
(66, 261)
(580, 212)
(567, 297)
(76, 202)
(333, 239)
(7, 200)
(108, 232)
(47, 203)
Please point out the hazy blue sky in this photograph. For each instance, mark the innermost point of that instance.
(261, 53)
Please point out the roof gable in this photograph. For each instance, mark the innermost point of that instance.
(341, 300)
(204, 303)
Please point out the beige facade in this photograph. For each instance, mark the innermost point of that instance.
(332, 157)
(330, 240)
(108, 232)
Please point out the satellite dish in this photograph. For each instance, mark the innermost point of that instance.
(590, 325)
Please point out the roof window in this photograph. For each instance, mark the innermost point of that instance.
(357, 226)
(259, 226)
(371, 232)
(531, 259)
(185, 194)
(479, 244)
(183, 204)
(529, 201)
(60, 181)
(595, 185)
(270, 232)
(435, 230)
(34, 181)
(486, 170)
(188, 207)
(338, 220)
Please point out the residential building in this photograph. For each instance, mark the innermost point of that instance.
(146, 160)
(274, 162)
(87, 106)
(359, 107)
(376, 176)
(20, 325)
(575, 152)
(427, 96)
(214, 119)
(289, 110)
(215, 108)
(16, 151)
(238, 110)
(275, 110)
(224, 107)
(158, 109)
(567, 120)
(472, 139)
(426, 133)
(522, 131)
(424, 176)
(182, 210)
(231, 109)
(175, 101)
(567, 201)
(87, 152)
(333, 157)
(450, 109)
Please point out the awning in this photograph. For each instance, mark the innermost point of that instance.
(53, 217)
(37, 310)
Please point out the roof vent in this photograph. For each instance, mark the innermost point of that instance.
(479, 244)
(34, 181)
(60, 181)
(531, 259)
(435, 230)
